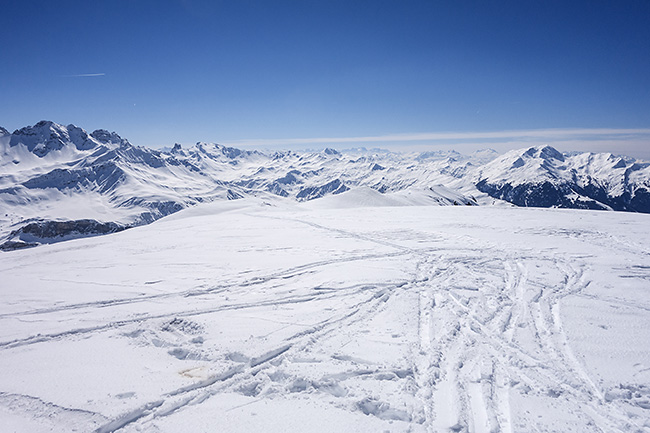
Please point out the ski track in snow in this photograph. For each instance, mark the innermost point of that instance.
(481, 334)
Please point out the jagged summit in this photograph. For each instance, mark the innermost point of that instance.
(536, 163)
(110, 138)
(47, 136)
(543, 152)
(218, 150)
(3, 131)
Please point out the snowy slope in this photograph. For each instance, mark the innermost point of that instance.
(357, 315)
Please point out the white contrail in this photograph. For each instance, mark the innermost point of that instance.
(85, 75)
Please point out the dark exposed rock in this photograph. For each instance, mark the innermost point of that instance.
(46, 136)
(563, 195)
(330, 151)
(105, 137)
(233, 195)
(289, 178)
(54, 229)
(543, 194)
(312, 192)
(38, 232)
(106, 176)
(17, 245)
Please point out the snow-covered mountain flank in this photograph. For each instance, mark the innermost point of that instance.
(59, 182)
(544, 177)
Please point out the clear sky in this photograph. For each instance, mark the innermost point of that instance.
(361, 73)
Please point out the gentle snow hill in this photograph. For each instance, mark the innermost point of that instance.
(358, 197)
(367, 197)
(60, 182)
(270, 315)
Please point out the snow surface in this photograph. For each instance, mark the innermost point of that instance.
(354, 315)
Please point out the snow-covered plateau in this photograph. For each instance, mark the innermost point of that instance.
(243, 315)
(235, 291)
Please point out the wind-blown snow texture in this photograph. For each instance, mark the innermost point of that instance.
(52, 174)
(323, 316)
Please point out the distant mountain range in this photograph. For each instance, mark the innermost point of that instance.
(60, 182)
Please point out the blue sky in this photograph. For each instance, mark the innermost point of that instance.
(294, 73)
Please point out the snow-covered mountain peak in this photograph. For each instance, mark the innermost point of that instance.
(598, 161)
(281, 154)
(218, 151)
(110, 139)
(484, 155)
(3, 132)
(533, 165)
(439, 155)
(331, 152)
(542, 176)
(47, 136)
(544, 152)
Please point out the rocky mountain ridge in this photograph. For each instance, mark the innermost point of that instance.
(50, 173)
(544, 177)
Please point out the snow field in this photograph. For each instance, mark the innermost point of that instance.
(292, 318)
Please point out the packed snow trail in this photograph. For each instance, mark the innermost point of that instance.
(378, 319)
